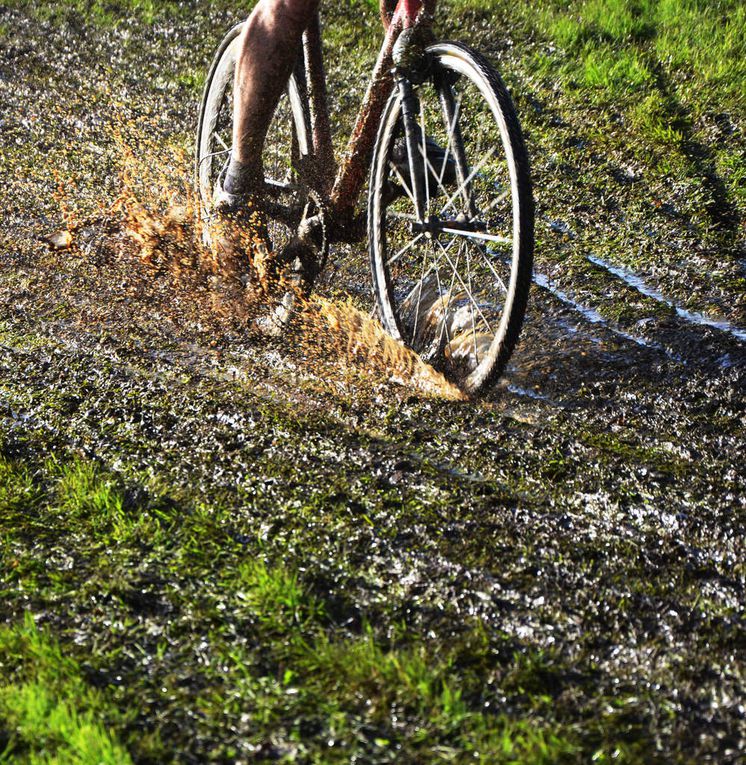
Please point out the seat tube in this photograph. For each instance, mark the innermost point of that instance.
(317, 97)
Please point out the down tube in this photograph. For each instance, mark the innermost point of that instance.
(354, 165)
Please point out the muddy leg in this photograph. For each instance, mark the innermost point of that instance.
(269, 47)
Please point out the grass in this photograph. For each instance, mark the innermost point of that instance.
(104, 13)
(48, 713)
(656, 86)
(681, 38)
(294, 670)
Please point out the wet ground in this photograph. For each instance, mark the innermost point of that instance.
(566, 552)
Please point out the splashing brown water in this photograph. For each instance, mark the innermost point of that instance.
(358, 339)
(157, 216)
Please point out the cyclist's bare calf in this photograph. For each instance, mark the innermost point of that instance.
(269, 47)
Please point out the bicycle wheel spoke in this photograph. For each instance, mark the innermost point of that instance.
(471, 175)
(440, 288)
(404, 249)
(424, 273)
(478, 235)
(491, 267)
(419, 294)
(432, 170)
(471, 309)
(445, 96)
(450, 131)
(461, 281)
(496, 201)
(220, 140)
(207, 157)
(403, 183)
(444, 319)
(423, 151)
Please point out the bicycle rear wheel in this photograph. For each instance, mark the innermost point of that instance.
(288, 140)
(453, 284)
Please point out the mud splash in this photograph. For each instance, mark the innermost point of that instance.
(162, 231)
(354, 338)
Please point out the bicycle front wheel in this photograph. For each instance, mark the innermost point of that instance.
(452, 283)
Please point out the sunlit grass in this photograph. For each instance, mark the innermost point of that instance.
(605, 68)
(619, 45)
(47, 711)
(275, 594)
(297, 666)
(702, 40)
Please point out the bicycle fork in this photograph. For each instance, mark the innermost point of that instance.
(417, 152)
(410, 105)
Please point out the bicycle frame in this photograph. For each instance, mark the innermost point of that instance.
(342, 183)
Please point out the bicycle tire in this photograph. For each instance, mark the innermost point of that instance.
(216, 109)
(395, 281)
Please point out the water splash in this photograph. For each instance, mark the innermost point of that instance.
(360, 340)
(161, 220)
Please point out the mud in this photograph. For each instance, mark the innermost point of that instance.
(588, 512)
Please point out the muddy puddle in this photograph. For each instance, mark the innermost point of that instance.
(153, 227)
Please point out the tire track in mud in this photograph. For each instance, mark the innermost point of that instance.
(691, 317)
(704, 344)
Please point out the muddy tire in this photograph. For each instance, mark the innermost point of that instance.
(454, 286)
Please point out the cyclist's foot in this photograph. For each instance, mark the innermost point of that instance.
(238, 238)
(239, 179)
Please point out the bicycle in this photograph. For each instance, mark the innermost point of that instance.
(450, 205)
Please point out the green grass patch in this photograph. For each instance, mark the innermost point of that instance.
(48, 713)
(620, 44)
(654, 119)
(19, 494)
(275, 594)
(614, 71)
(596, 21)
(303, 676)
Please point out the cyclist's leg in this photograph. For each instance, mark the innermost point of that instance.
(269, 47)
